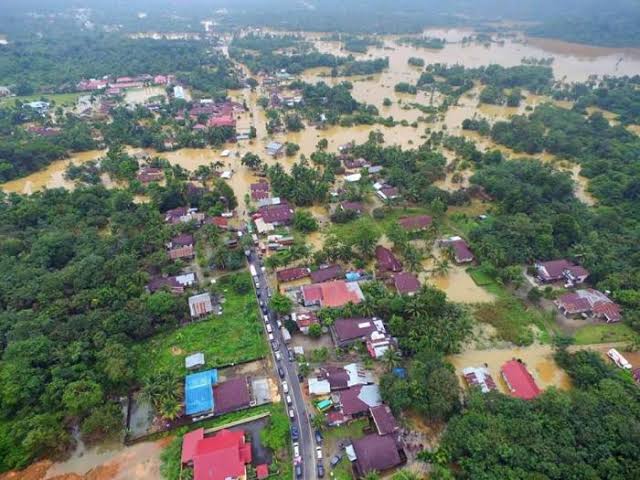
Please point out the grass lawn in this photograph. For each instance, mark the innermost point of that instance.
(60, 99)
(332, 436)
(235, 336)
(509, 315)
(604, 333)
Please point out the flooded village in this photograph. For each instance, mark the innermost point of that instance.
(316, 356)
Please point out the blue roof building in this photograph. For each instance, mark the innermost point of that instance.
(198, 392)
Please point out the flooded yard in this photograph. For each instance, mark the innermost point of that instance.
(538, 359)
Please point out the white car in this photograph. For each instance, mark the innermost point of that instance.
(266, 319)
(288, 398)
(279, 323)
(296, 450)
(291, 414)
(278, 356)
(271, 337)
(285, 387)
(319, 453)
(269, 329)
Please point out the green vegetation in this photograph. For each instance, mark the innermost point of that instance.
(238, 325)
(589, 438)
(360, 44)
(423, 42)
(404, 87)
(590, 334)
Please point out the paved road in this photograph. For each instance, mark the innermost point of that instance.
(301, 420)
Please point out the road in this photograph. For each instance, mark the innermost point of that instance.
(301, 420)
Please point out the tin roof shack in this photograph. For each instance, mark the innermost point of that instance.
(561, 270)
(181, 246)
(200, 305)
(304, 320)
(356, 401)
(376, 453)
(479, 377)
(179, 215)
(326, 273)
(198, 393)
(519, 380)
(150, 174)
(589, 302)
(275, 149)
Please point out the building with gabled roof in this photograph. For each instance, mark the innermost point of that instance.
(589, 302)
(386, 260)
(200, 305)
(357, 400)
(415, 223)
(326, 273)
(406, 283)
(461, 251)
(292, 274)
(384, 420)
(479, 377)
(561, 270)
(335, 294)
(223, 456)
(376, 453)
(519, 380)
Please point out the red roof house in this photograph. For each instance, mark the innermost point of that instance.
(334, 294)
(220, 457)
(387, 262)
(461, 251)
(519, 380)
(561, 269)
(224, 121)
(219, 222)
(231, 395)
(590, 302)
(326, 273)
(279, 214)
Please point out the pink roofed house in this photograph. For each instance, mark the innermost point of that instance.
(222, 456)
(519, 380)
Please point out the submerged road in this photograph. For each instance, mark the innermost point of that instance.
(288, 368)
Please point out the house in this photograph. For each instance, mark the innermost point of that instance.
(44, 131)
(356, 164)
(181, 247)
(384, 420)
(386, 192)
(280, 214)
(326, 273)
(335, 294)
(175, 284)
(223, 456)
(520, 382)
(39, 106)
(357, 207)
(479, 377)
(347, 331)
(178, 92)
(304, 320)
(231, 395)
(589, 302)
(374, 169)
(560, 270)
(461, 251)
(346, 147)
(415, 223)
(386, 260)
(259, 191)
(198, 392)
(357, 400)
(347, 376)
(200, 305)
(376, 453)
(275, 149)
(183, 215)
(221, 121)
(406, 283)
(220, 222)
(378, 343)
(150, 174)
(354, 177)
(291, 274)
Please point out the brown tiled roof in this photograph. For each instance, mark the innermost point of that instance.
(384, 420)
(182, 240)
(330, 272)
(406, 283)
(416, 222)
(376, 453)
(291, 274)
(355, 206)
(281, 213)
(349, 329)
(387, 260)
(231, 395)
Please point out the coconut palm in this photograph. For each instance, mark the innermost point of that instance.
(391, 359)
(441, 268)
(318, 422)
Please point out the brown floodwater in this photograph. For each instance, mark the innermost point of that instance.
(538, 358)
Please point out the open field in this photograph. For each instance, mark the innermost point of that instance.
(235, 336)
(604, 333)
(60, 99)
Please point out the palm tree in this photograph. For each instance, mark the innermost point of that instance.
(391, 359)
(170, 408)
(372, 475)
(406, 474)
(441, 268)
(318, 422)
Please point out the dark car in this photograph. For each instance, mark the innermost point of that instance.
(281, 372)
(294, 433)
(320, 471)
(298, 470)
(290, 355)
(318, 437)
(264, 309)
(274, 345)
(335, 460)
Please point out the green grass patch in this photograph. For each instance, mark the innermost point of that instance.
(604, 333)
(235, 336)
(60, 99)
(481, 278)
(333, 435)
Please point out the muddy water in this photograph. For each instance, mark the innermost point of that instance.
(52, 176)
(141, 95)
(538, 358)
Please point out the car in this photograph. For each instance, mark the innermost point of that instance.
(281, 372)
(288, 398)
(261, 302)
(274, 344)
(264, 309)
(300, 377)
(271, 338)
(318, 437)
(319, 453)
(320, 469)
(290, 355)
(298, 469)
(285, 387)
(335, 460)
(269, 328)
(295, 434)
(279, 323)
(291, 413)
(278, 356)
(266, 319)
(268, 293)
(296, 450)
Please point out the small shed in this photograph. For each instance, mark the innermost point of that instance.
(193, 361)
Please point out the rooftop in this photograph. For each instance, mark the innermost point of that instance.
(326, 273)
(384, 420)
(519, 380)
(406, 283)
(198, 392)
(333, 294)
(376, 453)
(231, 395)
(416, 222)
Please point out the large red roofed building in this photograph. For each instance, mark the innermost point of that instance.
(223, 456)
(519, 380)
(334, 294)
